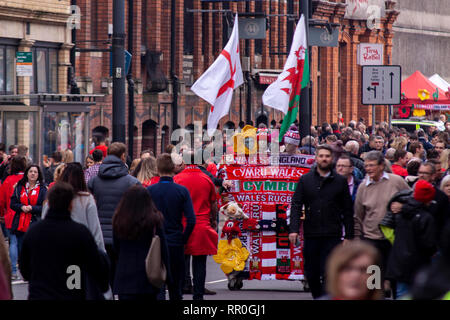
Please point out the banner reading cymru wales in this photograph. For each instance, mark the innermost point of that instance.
(265, 193)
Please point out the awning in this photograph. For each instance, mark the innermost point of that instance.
(440, 82)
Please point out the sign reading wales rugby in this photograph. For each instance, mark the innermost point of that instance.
(24, 64)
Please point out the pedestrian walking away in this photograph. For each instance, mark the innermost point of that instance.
(56, 248)
(203, 240)
(174, 202)
(134, 224)
(108, 188)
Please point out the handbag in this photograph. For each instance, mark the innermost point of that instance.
(154, 266)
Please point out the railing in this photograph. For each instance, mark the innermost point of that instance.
(50, 97)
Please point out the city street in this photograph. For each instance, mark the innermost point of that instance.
(216, 281)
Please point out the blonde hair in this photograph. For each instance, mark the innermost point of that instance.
(445, 182)
(148, 169)
(58, 172)
(445, 158)
(67, 156)
(399, 143)
(341, 256)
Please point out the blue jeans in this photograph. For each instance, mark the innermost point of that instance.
(15, 245)
(402, 289)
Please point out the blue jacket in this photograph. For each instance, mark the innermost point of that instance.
(108, 188)
(174, 202)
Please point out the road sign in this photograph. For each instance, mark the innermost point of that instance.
(322, 38)
(381, 85)
(24, 64)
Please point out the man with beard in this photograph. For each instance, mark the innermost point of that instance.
(328, 208)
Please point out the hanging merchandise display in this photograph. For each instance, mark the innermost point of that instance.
(257, 210)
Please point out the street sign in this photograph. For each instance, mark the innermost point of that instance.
(381, 85)
(320, 37)
(252, 28)
(24, 64)
(128, 57)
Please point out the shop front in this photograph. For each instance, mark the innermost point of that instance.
(48, 125)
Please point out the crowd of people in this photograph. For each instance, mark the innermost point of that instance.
(375, 196)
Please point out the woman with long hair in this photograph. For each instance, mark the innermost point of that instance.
(84, 209)
(146, 172)
(27, 201)
(134, 223)
(347, 272)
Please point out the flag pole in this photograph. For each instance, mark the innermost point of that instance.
(305, 101)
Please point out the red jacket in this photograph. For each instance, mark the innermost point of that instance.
(398, 170)
(6, 191)
(203, 239)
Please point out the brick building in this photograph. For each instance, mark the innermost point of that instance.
(201, 33)
(39, 30)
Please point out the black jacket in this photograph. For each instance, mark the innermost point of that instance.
(217, 181)
(415, 242)
(440, 210)
(328, 206)
(107, 188)
(49, 173)
(130, 277)
(358, 163)
(53, 245)
(16, 205)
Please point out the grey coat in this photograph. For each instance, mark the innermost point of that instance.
(108, 188)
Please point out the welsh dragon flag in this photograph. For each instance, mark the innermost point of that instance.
(284, 93)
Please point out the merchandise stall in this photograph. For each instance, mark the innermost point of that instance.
(255, 243)
(421, 97)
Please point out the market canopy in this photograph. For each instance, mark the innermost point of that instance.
(421, 93)
(440, 82)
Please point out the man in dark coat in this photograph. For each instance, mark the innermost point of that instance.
(328, 208)
(174, 202)
(57, 253)
(107, 188)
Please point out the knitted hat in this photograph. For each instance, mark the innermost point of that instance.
(292, 136)
(424, 191)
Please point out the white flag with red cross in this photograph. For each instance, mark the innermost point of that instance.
(217, 84)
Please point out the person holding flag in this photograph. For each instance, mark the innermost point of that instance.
(217, 84)
(284, 93)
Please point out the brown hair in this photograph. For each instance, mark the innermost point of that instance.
(341, 256)
(136, 215)
(22, 150)
(18, 164)
(413, 146)
(117, 149)
(165, 164)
